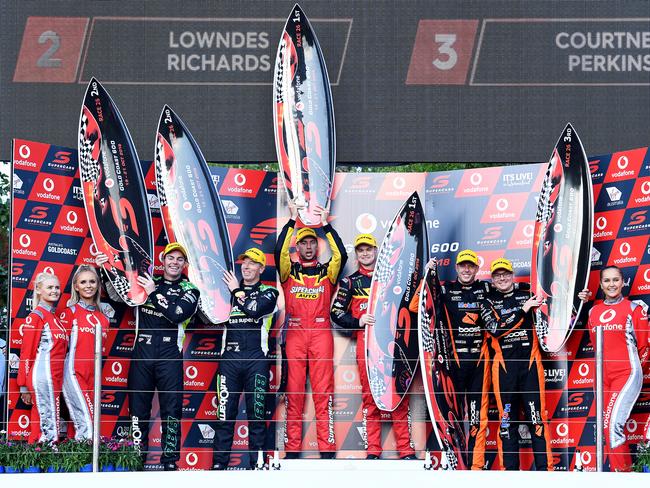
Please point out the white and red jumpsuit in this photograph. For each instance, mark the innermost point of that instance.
(349, 305)
(625, 350)
(308, 288)
(80, 321)
(40, 373)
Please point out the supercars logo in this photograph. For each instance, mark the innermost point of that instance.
(262, 230)
(39, 213)
(637, 218)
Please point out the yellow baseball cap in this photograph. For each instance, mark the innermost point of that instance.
(501, 263)
(254, 254)
(467, 255)
(174, 246)
(368, 239)
(304, 232)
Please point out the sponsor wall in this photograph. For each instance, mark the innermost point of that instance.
(490, 210)
(428, 76)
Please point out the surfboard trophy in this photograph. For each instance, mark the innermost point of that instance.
(193, 214)
(114, 195)
(303, 118)
(563, 238)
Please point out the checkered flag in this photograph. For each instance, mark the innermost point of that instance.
(159, 162)
(88, 166)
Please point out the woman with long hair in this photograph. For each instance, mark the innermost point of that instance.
(42, 355)
(81, 318)
(625, 350)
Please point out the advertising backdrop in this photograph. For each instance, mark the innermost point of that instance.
(411, 81)
(490, 210)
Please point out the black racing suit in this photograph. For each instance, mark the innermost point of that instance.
(157, 363)
(517, 375)
(243, 368)
(470, 368)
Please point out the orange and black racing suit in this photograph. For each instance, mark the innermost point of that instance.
(308, 288)
(517, 375)
(350, 304)
(470, 368)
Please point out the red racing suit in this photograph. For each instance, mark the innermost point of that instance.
(350, 304)
(308, 288)
(40, 373)
(80, 321)
(626, 344)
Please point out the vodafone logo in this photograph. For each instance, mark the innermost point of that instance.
(631, 426)
(624, 248)
(366, 223)
(93, 249)
(502, 204)
(48, 184)
(24, 240)
(24, 151)
(27, 321)
(72, 217)
(607, 316)
(583, 369)
(191, 372)
(94, 321)
(562, 430)
(240, 179)
(622, 162)
(399, 182)
(242, 431)
(271, 376)
(23, 421)
(646, 275)
(601, 223)
(481, 262)
(475, 179)
(116, 368)
(348, 376)
(187, 206)
(645, 187)
(215, 402)
(109, 183)
(191, 459)
(586, 457)
(48, 269)
(529, 230)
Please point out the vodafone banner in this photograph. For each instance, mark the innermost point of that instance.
(490, 210)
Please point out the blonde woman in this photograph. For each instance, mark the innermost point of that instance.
(42, 354)
(81, 318)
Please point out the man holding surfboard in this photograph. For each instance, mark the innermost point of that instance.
(243, 367)
(350, 312)
(157, 359)
(308, 287)
(517, 371)
(469, 366)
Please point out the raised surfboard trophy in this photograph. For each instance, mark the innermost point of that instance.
(303, 118)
